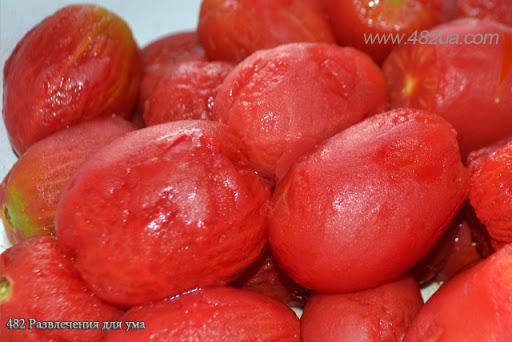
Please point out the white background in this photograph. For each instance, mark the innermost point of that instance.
(148, 20)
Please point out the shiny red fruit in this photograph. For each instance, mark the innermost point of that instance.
(284, 101)
(474, 306)
(185, 92)
(466, 83)
(491, 192)
(79, 63)
(233, 29)
(266, 277)
(498, 10)
(368, 203)
(162, 210)
(38, 281)
(165, 53)
(380, 314)
(214, 314)
(354, 21)
(37, 180)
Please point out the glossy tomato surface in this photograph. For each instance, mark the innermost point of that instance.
(233, 29)
(38, 281)
(165, 53)
(474, 306)
(491, 192)
(79, 63)
(354, 21)
(37, 180)
(283, 101)
(163, 210)
(369, 203)
(185, 92)
(466, 83)
(380, 314)
(214, 314)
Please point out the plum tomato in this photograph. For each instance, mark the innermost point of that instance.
(466, 83)
(476, 305)
(38, 179)
(380, 314)
(498, 10)
(491, 192)
(79, 63)
(233, 29)
(163, 54)
(163, 210)
(368, 203)
(283, 101)
(38, 281)
(185, 92)
(212, 314)
(354, 21)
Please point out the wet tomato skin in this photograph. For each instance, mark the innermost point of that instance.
(185, 92)
(369, 202)
(232, 30)
(352, 20)
(283, 101)
(164, 54)
(491, 191)
(212, 314)
(37, 180)
(476, 305)
(468, 85)
(163, 210)
(43, 285)
(380, 314)
(79, 63)
(498, 10)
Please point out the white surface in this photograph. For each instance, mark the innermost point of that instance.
(148, 20)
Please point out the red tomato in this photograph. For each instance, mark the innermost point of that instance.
(38, 179)
(474, 306)
(491, 192)
(285, 100)
(78, 64)
(233, 29)
(38, 281)
(185, 92)
(352, 20)
(380, 314)
(469, 85)
(163, 54)
(499, 10)
(163, 210)
(369, 203)
(214, 314)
